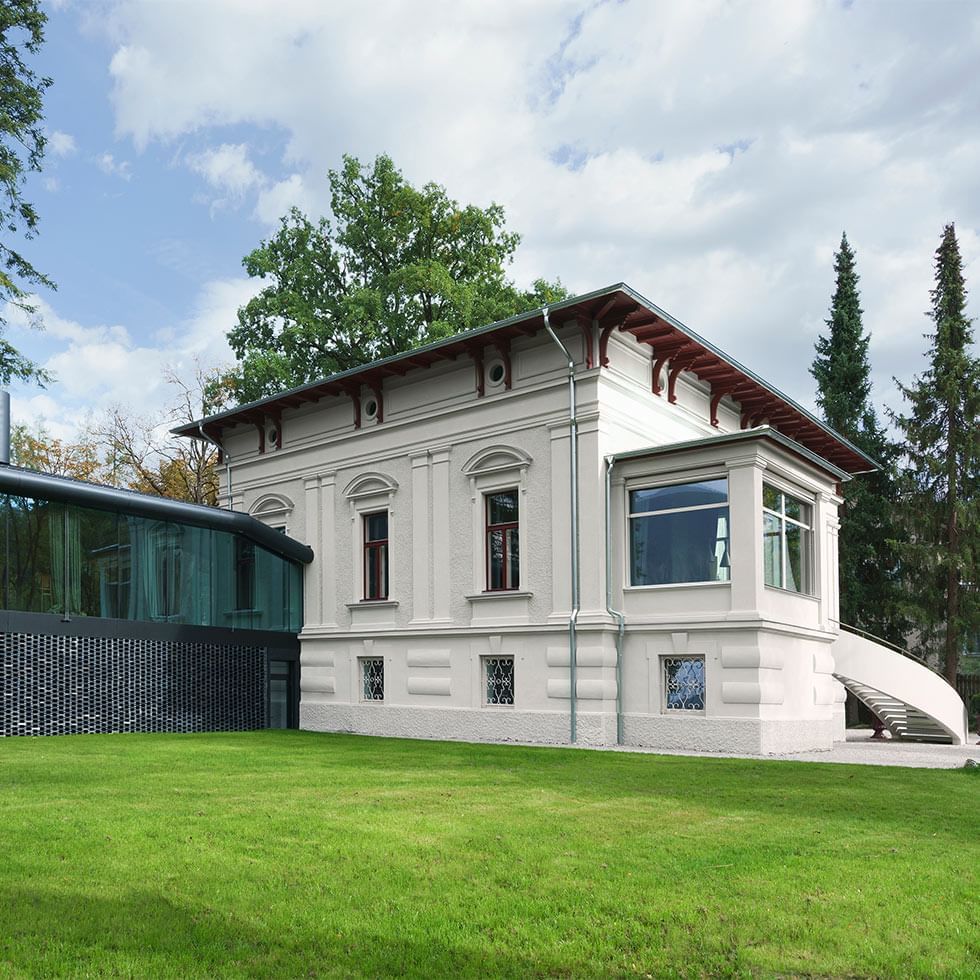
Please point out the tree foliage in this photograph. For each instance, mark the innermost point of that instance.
(392, 267)
(37, 450)
(141, 454)
(21, 151)
(870, 590)
(940, 505)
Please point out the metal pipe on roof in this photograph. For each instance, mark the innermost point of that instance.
(573, 495)
(5, 428)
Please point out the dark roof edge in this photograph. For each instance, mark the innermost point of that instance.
(27, 483)
(193, 428)
(694, 335)
(759, 432)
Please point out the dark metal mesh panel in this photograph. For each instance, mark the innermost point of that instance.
(67, 685)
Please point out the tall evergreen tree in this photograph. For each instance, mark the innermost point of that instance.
(940, 508)
(870, 595)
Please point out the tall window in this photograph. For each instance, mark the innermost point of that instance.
(244, 574)
(787, 541)
(679, 534)
(503, 541)
(376, 555)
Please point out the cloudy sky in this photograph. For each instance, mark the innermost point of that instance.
(708, 153)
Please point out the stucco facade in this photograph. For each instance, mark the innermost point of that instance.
(432, 453)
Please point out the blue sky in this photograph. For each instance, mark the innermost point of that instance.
(709, 153)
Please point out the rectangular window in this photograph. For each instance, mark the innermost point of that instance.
(503, 541)
(683, 683)
(679, 534)
(376, 555)
(372, 679)
(499, 673)
(244, 574)
(787, 536)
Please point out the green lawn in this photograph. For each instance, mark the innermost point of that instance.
(294, 854)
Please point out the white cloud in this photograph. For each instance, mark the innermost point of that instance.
(52, 185)
(108, 164)
(228, 169)
(98, 366)
(710, 152)
(61, 144)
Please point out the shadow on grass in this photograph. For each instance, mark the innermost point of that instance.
(141, 933)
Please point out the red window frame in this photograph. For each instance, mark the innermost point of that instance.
(376, 557)
(502, 527)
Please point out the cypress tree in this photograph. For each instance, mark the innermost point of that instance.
(870, 595)
(942, 458)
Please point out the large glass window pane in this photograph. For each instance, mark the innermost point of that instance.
(104, 571)
(36, 555)
(787, 539)
(679, 495)
(772, 550)
(679, 534)
(797, 559)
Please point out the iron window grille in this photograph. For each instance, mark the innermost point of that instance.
(787, 541)
(372, 679)
(503, 541)
(684, 688)
(499, 673)
(376, 555)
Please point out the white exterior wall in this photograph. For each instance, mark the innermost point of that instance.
(439, 449)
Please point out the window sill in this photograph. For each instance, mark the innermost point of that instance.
(499, 594)
(374, 604)
(793, 592)
(675, 585)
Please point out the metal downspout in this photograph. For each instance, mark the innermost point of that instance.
(573, 495)
(615, 613)
(221, 449)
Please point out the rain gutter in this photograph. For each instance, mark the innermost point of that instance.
(573, 499)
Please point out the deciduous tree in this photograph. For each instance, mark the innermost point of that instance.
(941, 505)
(37, 450)
(393, 266)
(21, 151)
(142, 455)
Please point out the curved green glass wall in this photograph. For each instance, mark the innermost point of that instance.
(79, 561)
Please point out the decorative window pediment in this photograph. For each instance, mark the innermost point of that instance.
(271, 505)
(496, 459)
(370, 485)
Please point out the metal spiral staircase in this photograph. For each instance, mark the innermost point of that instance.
(912, 701)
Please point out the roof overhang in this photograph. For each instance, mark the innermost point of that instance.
(744, 436)
(615, 308)
(27, 483)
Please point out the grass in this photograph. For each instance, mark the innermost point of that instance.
(293, 854)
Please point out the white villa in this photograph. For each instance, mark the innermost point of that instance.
(583, 524)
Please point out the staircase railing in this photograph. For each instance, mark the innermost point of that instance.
(908, 654)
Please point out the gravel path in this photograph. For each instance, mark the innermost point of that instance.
(859, 749)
